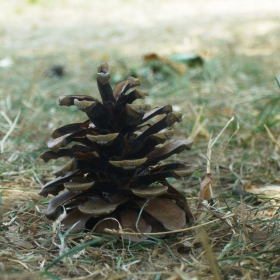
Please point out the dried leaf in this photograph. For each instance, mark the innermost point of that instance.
(205, 193)
(180, 68)
(165, 211)
(180, 200)
(190, 59)
(271, 191)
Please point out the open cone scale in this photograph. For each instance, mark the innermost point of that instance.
(115, 164)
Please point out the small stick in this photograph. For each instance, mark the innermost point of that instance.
(209, 150)
(113, 231)
(197, 125)
(209, 254)
(12, 127)
(271, 136)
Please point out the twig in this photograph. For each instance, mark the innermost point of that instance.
(271, 136)
(9, 121)
(116, 232)
(12, 127)
(209, 254)
(209, 150)
(12, 173)
(197, 125)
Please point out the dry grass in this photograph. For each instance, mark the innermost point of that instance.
(235, 238)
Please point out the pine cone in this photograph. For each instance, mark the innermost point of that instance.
(115, 164)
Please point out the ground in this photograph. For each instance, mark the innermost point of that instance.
(239, 44)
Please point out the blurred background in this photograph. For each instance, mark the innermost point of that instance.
(210, 59)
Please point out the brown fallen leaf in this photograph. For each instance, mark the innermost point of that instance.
(178, 67)
(272, 191)
(269, 195)
(205, 193)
